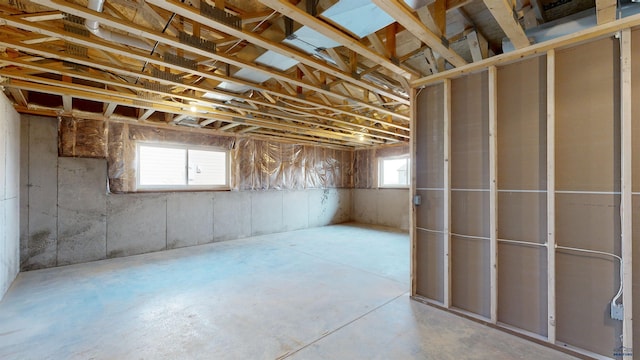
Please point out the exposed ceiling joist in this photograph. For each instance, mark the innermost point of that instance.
(286, 8)
(502, 11)
(405, 17)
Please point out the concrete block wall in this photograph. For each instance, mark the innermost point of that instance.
(9, 194)
(69, 218)
(386, 207)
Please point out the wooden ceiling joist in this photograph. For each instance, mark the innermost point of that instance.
(157, 61)
(287, 9)
(258, 40)
(168, 40)
(502, 11)
(398, 11)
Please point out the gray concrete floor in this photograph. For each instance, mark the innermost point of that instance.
(337, 292)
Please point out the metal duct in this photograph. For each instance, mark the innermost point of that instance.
(94, 27)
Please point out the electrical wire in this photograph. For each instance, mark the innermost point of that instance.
(614, 301)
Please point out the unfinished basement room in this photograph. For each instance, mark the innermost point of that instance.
(319, 179)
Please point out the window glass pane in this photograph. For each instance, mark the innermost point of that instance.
(394, 172)
(162, 166)
(207, 167)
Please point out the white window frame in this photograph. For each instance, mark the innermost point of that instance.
(381, 172)
(186, 186)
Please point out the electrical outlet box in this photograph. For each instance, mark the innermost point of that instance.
(617, 311)
(417, 200)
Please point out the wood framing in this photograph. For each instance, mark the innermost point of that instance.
(493, 192)
(446, 207)
(404, 17)
(626, 188)
(551, 197)
(502, 11)
(286, 8)
(541, 48)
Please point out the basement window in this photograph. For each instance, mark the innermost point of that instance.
(394, 172)
(182, 167)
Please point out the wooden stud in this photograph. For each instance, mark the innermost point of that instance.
(446, 204)
(493, 192)
(413, 236)
(626, 205)
(536, 49)
(551, 199)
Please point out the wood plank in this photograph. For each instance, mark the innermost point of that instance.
(413, 236)
(338, 59)
(434, 17)
(474, 46)
(493, 192)
(502, 11)
(174, 42)
(626, 212)
(405, 17)
(536, 49)
(446, 206)
(551, 199)
(286, 8)
(606, 11)
(145, 115)
(110, 109)
(377, 44)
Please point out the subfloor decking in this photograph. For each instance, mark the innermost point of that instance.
(336, 292)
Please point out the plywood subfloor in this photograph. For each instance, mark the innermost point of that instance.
(337, 292)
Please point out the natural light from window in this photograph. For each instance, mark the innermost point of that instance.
(394, 172)
(175, 167)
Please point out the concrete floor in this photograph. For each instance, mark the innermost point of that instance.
(337, 292)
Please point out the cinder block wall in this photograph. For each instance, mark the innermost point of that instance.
(69, 217)
(9, 193)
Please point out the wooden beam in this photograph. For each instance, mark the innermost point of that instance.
(378, 45)
(145, 115)
(536, 49)
(405, 17)
(308, 74)
(110, 109)
(626, 205)
(171, 41)
(502, 11)
(93, 63)
(606, 11)
(434, 17)
(18, 96)
(229, 126)
(478, 46)
(551, 198)
(286, 8)
(338, 59)
(256, 39)
(249, 129)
